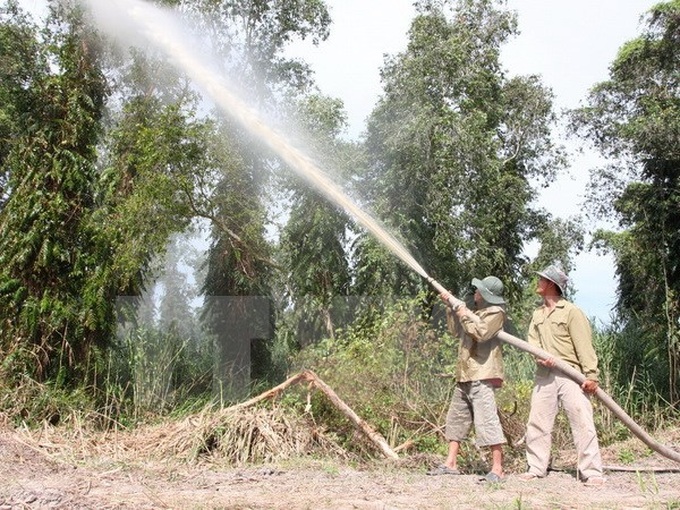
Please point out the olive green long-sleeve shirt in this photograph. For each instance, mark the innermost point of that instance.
(565, 334)
(479, 352)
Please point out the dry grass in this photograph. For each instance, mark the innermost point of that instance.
(239, 436)
(231, 436)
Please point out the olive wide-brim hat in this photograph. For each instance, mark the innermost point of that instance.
(491, 289)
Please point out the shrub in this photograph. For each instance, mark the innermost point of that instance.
(391, 368)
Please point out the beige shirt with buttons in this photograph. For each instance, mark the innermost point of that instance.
(479, 352)
(565, 334)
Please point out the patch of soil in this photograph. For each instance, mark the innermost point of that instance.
(108, 472)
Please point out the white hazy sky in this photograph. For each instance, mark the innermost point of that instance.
(569, 44)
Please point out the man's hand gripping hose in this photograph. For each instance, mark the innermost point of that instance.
(570, 372)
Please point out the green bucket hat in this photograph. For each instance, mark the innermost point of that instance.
(491, 289)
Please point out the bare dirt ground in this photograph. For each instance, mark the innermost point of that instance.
(40, 470)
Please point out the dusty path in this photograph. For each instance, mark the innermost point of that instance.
(32, 478)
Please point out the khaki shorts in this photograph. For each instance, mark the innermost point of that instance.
(474, 402)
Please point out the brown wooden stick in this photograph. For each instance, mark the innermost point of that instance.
(273, 392)
(404, 446)
(642, 469)
(311, 377)
(373, 435)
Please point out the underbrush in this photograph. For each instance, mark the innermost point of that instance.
(28, 402)
(395, 372)
(393, 367)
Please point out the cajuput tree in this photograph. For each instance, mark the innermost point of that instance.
(100, 160)
(456, 150)
(314, 240)
(249, 38)
(633, 119)
(23, 62)
(228, 184)
(54, 92)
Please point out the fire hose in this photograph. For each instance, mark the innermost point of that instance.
(577, 376)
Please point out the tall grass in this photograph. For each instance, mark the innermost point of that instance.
(393, 365)
(634, 373)
(397, 372)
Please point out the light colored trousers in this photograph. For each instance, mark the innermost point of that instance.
(474, 401)
(548, 393)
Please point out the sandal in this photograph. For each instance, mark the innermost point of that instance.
(442, 469)
(594, 481)
(492, 477)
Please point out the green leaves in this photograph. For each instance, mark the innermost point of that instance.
(454, 146)
(50, 171)
(250, 37)
(634, 118)
(75, 234)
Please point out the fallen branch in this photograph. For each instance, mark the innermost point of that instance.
(311, 377)
(405, 445)
(274, 392)
(347, 411)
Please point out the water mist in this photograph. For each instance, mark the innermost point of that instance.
(139, 23)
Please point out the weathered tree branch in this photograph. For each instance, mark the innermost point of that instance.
(311, 377)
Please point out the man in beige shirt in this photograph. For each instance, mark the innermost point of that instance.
(479, 372)
(561, 329)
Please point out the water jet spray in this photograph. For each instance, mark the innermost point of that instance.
(160, 28)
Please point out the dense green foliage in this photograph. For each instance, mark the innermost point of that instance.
(634, 120)
(317, 277)
(49, 246)
(455, 149)
(394, 369)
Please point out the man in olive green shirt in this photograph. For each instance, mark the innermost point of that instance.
(479, 372)
(561, 329)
